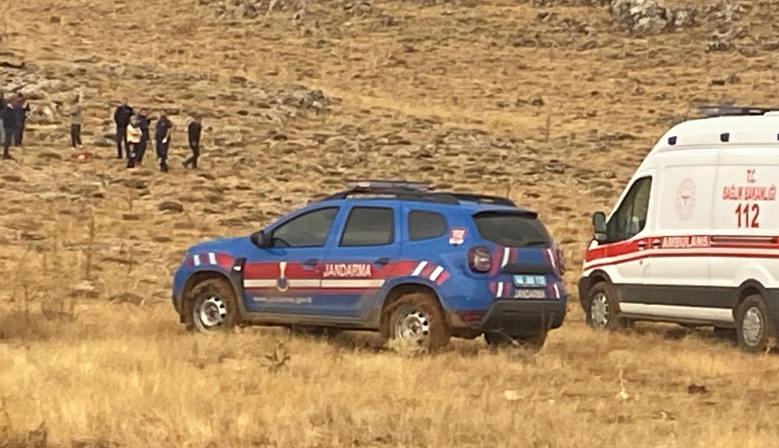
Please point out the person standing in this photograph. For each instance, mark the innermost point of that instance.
(3, 103)
(162, 140)
(143, 123)
(21, 109)
(122, 116)
(133, 141)
(76, 120)
(194, 142)
(9, 127)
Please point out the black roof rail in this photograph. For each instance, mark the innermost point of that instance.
(497, 200)
(412, 191)
(721, 111)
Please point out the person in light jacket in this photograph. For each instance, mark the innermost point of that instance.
(76, 120)
(134, 135)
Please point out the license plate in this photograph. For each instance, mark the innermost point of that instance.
(530, 294)
(530, 281)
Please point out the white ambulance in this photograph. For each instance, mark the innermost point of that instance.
(694, 237)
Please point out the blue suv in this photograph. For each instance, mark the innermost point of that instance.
(417, 265)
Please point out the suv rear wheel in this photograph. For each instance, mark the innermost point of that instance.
(416, 321)
(213, 307)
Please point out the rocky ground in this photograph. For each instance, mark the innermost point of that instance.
(551, 102)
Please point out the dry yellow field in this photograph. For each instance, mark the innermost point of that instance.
(546, 101)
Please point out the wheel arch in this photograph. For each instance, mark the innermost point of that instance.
(400, 290)
(747, 288)
(195, 279)
(587, 283)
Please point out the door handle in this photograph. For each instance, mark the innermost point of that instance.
(656, 244)
(382, 261)
(641, 245)
(310, 263)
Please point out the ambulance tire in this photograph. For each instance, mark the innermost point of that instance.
(603, 311)
(752, 325)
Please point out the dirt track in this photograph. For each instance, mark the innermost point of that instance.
(551, 105)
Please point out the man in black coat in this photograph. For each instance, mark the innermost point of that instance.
(162, 140)
(9, 126)
(122, 116)
(22, 108)
(194, 142)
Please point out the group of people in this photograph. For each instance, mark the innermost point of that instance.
(13, 117)
(133, 136)
(132, 131)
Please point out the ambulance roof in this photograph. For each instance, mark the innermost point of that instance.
(717, 132)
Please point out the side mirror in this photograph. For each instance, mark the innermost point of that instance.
(599, 226)
(258, 239)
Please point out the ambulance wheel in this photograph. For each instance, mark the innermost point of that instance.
(752, 326)
(417, 322)
(603, 311)
(213, 307)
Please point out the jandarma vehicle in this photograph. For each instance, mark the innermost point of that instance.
(694, 239)
(391, 256)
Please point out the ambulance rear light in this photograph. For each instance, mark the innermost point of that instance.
(479, 259)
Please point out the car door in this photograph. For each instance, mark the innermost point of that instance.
(628, 242)
(360, 259)
(285, 276)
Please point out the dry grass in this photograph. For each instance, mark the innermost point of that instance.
(91, 351)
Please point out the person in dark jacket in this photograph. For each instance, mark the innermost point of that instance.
(21, 108)
(194, 142)
(9, 126)
(162, 140)
(3, 103)
(122, 116)
(144, 123)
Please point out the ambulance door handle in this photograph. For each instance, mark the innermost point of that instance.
(641, 245)
(656, 244)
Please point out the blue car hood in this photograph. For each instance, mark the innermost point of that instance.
(233, 246)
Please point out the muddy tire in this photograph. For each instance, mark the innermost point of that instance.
(604, 310)
(532, 343)
(752, 325)
(416, 321)
(212, 307)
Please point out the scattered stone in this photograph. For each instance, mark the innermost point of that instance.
(127, 297)
(647, 17)
(170, 206)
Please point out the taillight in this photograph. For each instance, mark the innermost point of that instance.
(479, 259)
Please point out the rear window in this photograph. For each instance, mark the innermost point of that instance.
(511, 230)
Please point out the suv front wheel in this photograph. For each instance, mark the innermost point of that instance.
(416, 321)
(213, 307)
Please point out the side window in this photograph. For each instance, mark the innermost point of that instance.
(631, 215)
(425, 225)
(307, 230)
(369, 226)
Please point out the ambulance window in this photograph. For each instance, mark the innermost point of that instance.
(630, 218)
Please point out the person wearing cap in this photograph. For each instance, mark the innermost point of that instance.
(122, 116)
(21, 109)
(76, 120)
(9, 126)
(162, 140)
(194, 142)
(134, 135)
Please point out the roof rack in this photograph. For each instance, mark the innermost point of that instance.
(720, 111)
(395, 185)
(412, 191)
